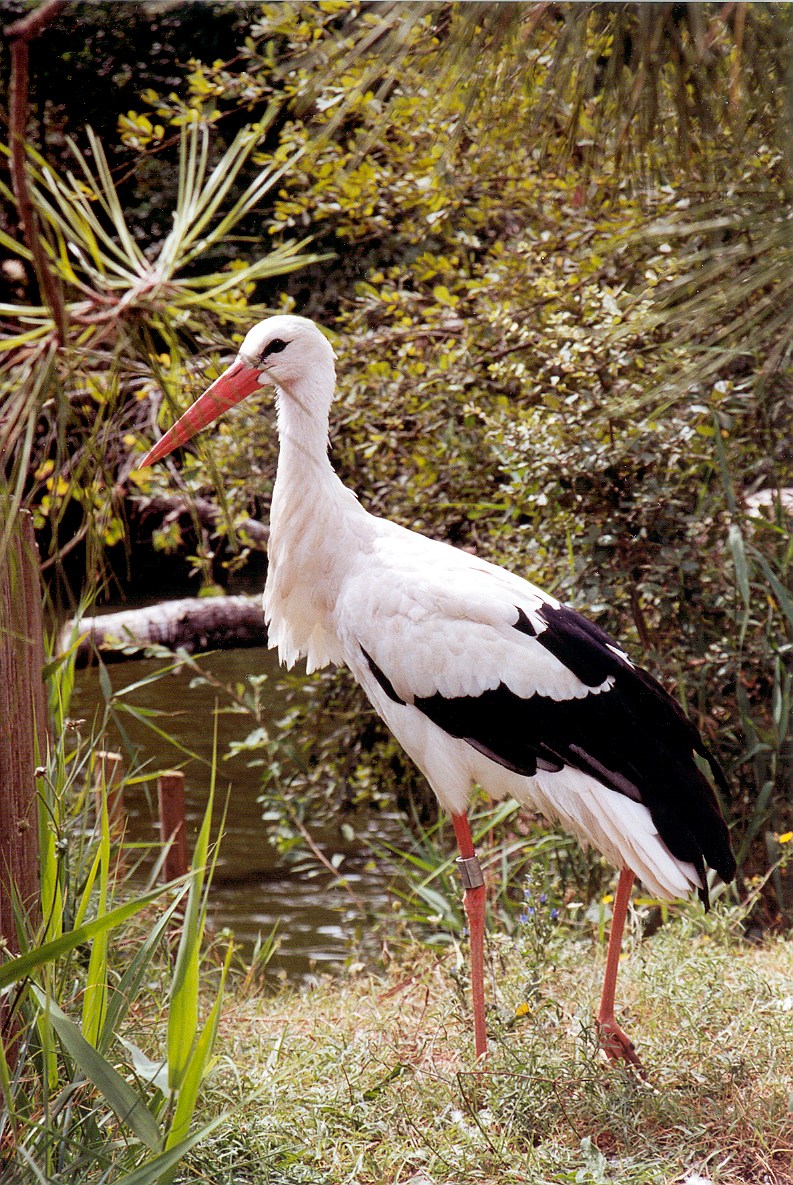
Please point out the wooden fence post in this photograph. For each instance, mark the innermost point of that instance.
(23, 719)
(170, 791)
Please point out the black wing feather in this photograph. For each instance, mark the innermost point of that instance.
(633, 737)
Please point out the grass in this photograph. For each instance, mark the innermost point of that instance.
(76, 1107)
(370, 1080)
(132, 1060)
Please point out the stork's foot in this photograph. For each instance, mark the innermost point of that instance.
(617, 1045)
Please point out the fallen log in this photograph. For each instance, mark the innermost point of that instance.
(194, 624)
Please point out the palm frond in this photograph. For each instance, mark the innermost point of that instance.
(732, 295)
(123, 306)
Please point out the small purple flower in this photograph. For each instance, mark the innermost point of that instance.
(543, 898)
(554, 914)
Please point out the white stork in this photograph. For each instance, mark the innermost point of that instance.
(482, 677)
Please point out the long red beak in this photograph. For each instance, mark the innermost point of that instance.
(240, 380)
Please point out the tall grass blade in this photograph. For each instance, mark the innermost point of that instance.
(95, 994)
(783, 597)
(38, 1175)
(51, 896)
(197, 1065)
(5, 1087)
(24, 965)
(85, 897)
(128, 1106)
(183, 1010)
(153, 1171)
(738, 552)
(125, 992)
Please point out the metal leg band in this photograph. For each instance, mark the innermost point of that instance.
(470, 872)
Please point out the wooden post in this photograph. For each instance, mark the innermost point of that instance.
(23, 718)
(170, 792)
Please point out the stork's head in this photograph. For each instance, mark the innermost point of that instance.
(287, 352)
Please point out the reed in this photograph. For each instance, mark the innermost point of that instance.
(81, 1100)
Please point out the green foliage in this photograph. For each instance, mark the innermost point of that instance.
(560, 342)
(77, 379)
(507, 376)
(70, 1111)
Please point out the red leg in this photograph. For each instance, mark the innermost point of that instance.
(616, 1044)
(474, 901)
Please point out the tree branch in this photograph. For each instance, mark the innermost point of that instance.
(20, 33)
(28, 27)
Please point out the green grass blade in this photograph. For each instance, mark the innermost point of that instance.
(126, 990)
(36, 1173)
(24, 965)
(153, 1171)
(128, 1106)
(6, 1093)
(51, 896)
(738, 551)
(95, 994)
(783, 597)
(183, 1010)
(197, 1065)
(85, 897)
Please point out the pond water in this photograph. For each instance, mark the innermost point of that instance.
(320, 924)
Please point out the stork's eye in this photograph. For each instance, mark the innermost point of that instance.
(273, 347)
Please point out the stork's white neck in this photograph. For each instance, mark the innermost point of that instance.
(306, 486)
(309, 526)
(303, 424)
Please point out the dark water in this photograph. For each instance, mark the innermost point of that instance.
(320, 923)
